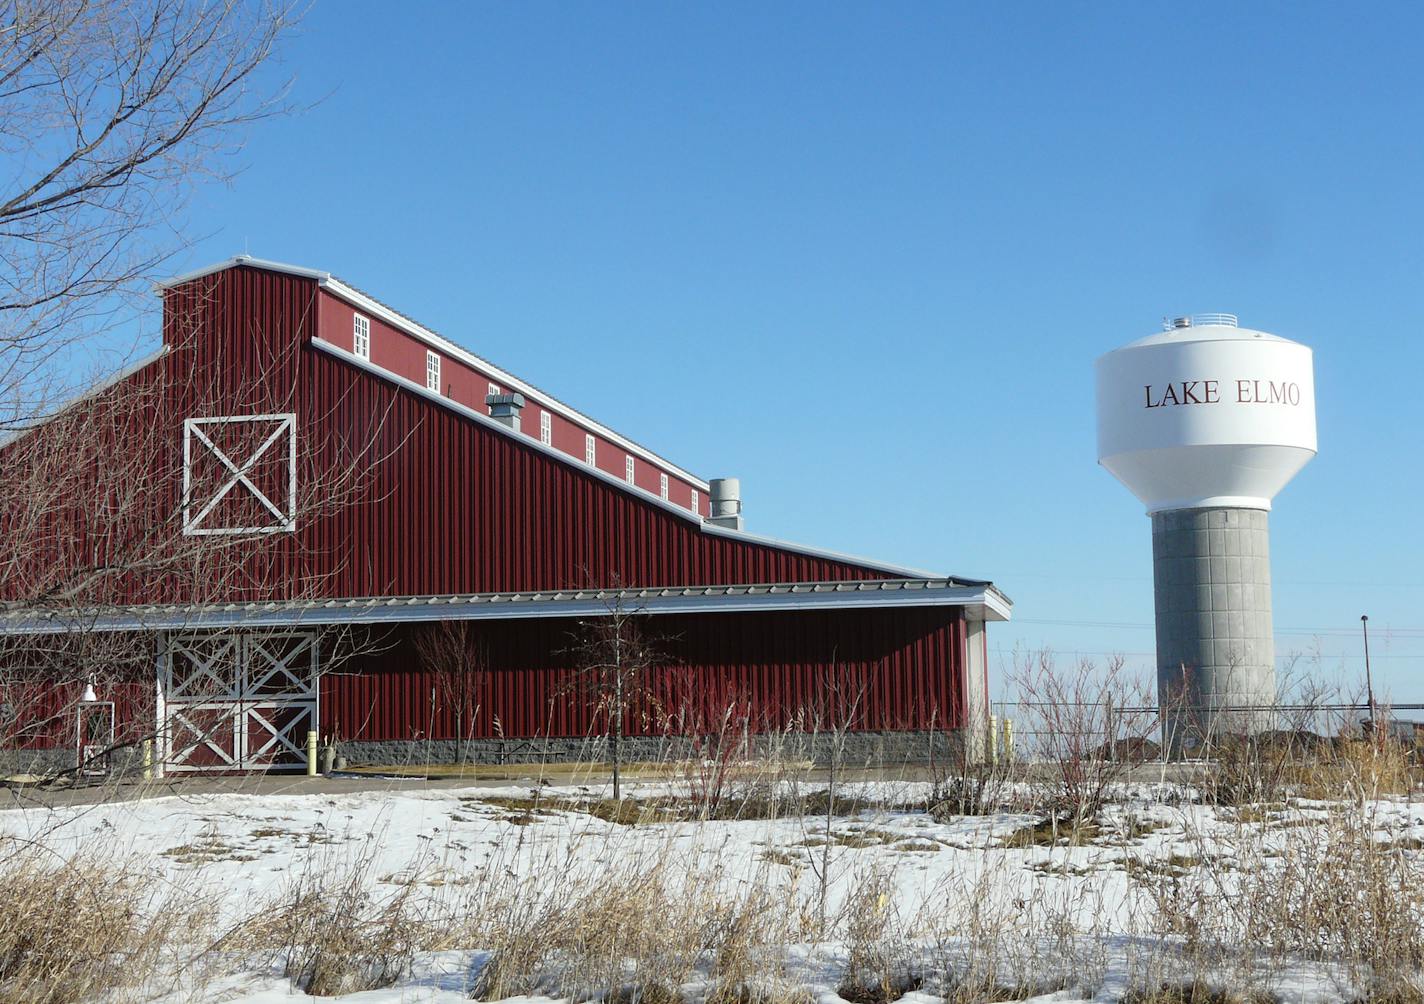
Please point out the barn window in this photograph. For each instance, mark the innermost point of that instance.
(662, 486)
(432, 372)
(628, 469)
(361, 336)
(546, 428)
(694, 500)
(494, 388)
(240, 474)
(589, 455)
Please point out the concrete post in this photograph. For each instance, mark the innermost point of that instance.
(148, 759)
(1215, 649)
(311, 753)
(976, 694)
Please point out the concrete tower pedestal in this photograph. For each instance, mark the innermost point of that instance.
(1215, 651)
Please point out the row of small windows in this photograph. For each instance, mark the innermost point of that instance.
(361, 346)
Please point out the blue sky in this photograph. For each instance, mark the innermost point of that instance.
(864, 256)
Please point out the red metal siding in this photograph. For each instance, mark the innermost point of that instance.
(46, 711)
(394, 350)
(445, 504)
(869, 669)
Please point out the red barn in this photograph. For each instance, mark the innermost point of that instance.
(308, 512)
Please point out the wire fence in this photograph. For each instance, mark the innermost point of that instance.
(1026, 726)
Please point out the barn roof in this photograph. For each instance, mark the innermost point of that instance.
(368, 303)
(980, 599)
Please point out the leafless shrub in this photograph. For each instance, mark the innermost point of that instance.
(455, 653)
(971, 786)
(615, 657)
(1083, 727)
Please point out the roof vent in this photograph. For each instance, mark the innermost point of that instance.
(505, 408)
(726, 502)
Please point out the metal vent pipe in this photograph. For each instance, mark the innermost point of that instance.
(726, 497)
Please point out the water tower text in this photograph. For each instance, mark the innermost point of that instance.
(1210, 391)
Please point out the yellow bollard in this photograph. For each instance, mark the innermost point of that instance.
(311, 753)
(1008, 738)
(148, 759)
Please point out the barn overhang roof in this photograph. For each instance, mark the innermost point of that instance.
(980, 600)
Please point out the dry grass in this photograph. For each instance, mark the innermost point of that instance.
(881, 966)
(649, 910)
(635, 931)
(85, 927)
(1195, 992)
(332, 932)
(1245, 772)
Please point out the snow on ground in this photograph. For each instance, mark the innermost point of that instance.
(244, 850)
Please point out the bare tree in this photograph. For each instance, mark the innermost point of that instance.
(615, 658)
(455, 653)
(111, 113)
(110, 110)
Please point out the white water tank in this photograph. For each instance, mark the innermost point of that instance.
(1206, 414)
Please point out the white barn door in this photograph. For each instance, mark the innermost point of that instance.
(237, 702)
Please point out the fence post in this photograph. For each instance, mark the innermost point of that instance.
(148, 759)
(993, 738)
(1008, 739)
(311, 752)
(1109, 729)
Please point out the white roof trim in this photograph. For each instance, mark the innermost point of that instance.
(98, 388)
(641, 493)
(981, 602)
(505, 379)
(243, 259)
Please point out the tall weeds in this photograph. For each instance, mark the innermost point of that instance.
(87, 926)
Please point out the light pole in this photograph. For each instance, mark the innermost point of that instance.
(1369, 681)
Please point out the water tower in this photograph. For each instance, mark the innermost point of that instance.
(1205, 422)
